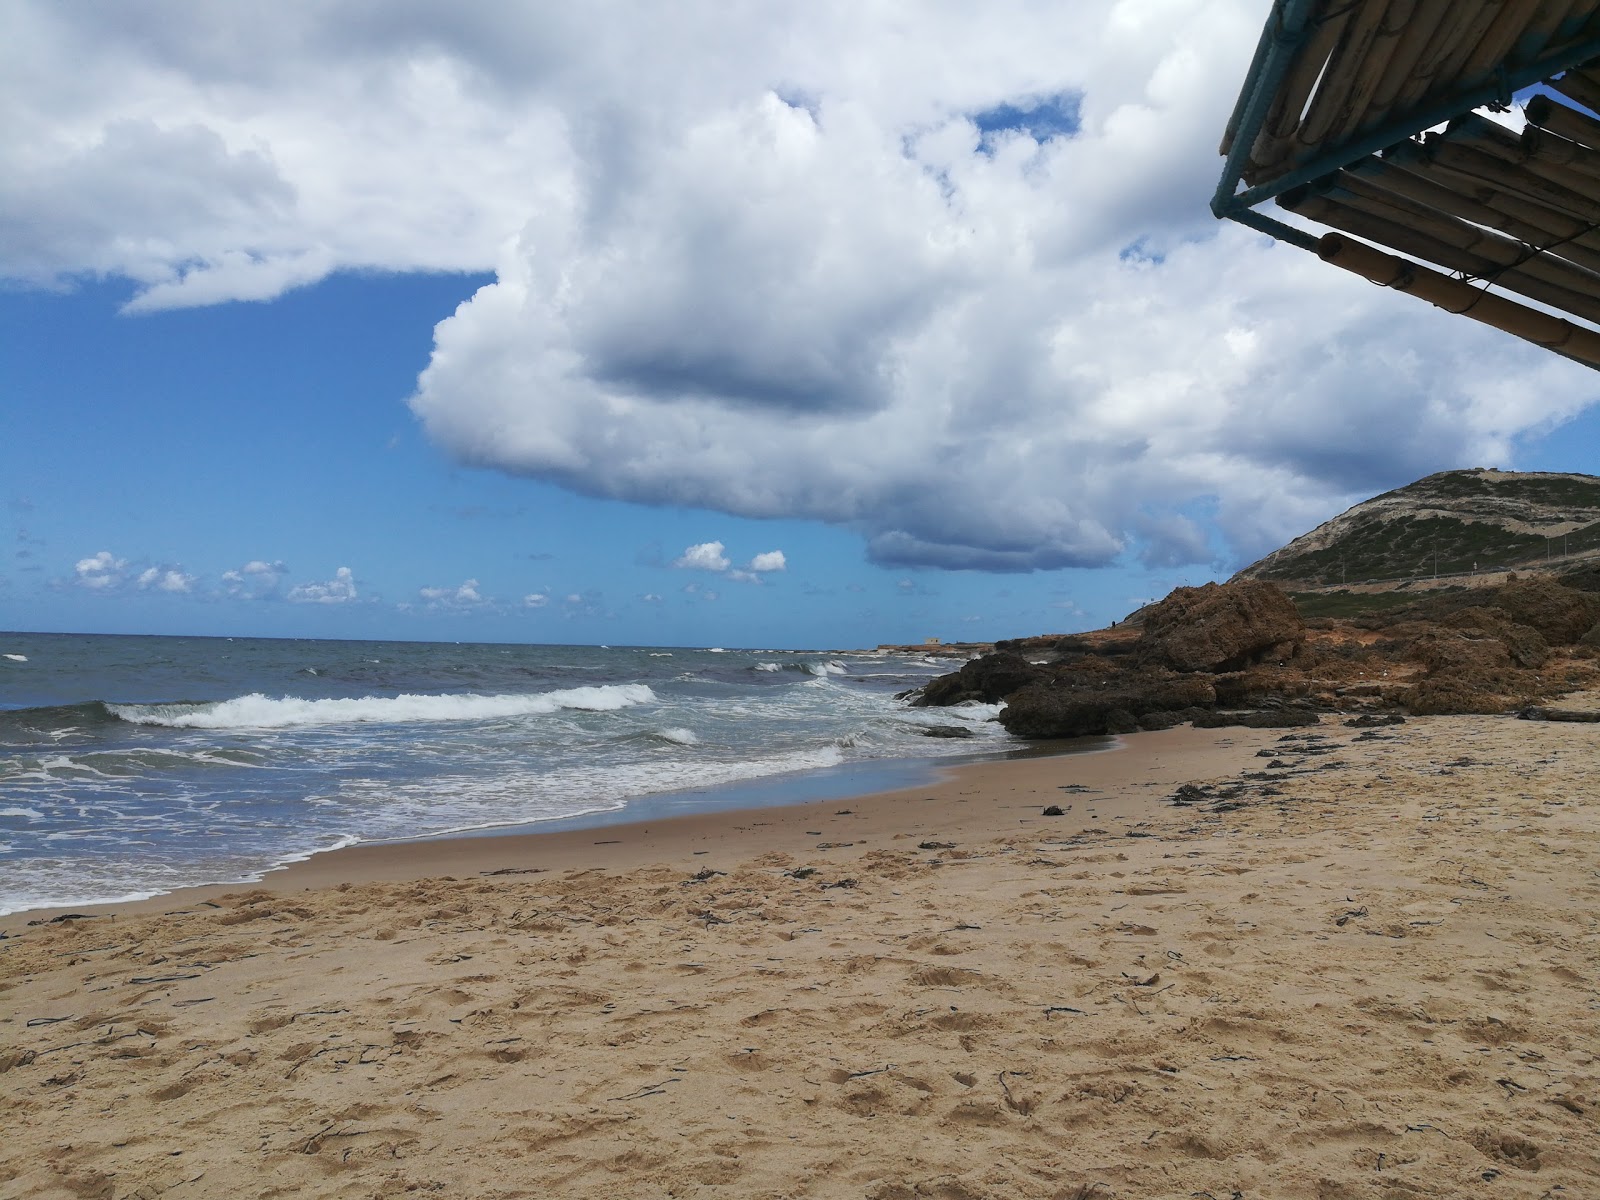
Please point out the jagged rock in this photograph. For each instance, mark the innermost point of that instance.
(1525, 645)
(945, 731)
(1455, 692)
(1559, 714)
(1120, 720)
(1561, 614)
(1072, 709)
(1237, 688)
(1373, 720)
(990, 679)
(1446, 650)
(1221, 627)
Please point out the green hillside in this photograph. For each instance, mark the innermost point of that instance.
(1455, 522)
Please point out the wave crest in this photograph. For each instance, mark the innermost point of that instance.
(258, 711)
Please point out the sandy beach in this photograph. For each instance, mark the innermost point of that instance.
(1351, 963)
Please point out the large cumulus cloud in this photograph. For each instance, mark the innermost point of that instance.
(939, 273)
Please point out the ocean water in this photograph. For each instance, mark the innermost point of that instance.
(133, 765)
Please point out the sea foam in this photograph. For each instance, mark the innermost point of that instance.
(257, 711)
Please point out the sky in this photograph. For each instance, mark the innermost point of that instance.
(791, 325)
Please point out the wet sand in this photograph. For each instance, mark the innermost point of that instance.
(1362, 963)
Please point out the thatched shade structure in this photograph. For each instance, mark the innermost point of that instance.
(1331, 123)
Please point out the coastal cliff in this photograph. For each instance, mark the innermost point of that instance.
(1254, 651)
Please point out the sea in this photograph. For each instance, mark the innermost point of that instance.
(130, 766)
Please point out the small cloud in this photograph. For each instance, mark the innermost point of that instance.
(707, 556)
(255, 580)
(772, 560)
(341, 589)
(463, 595)
(101, 572)
(651, 598)
(536, 599)
(164, 580)
(586, 604)
(738, 576)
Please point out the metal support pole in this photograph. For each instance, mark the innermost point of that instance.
(1288, 24)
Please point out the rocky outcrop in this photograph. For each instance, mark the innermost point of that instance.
(1239, 654)
(1561, 614)
(1222, 627)
(1066, 708)
(988, 679)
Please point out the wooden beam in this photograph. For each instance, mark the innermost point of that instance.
(1455, 296)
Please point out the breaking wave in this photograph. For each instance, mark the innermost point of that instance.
(257, 711)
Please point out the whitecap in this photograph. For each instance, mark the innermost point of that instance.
(257, 711)
(15, 657)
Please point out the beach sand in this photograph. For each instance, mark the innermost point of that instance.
(1361, 964)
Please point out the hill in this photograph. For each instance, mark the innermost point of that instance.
(1455, 523)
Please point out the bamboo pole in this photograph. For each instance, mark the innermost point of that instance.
(1473, 37)
(1409, 240)
(1496, 44)
(1578, 18)
(1542, 29)
(1370, 70)
(1507, 254)
(1270, 152)
(1479, 252)
(1413, 41)
(1480, 133)
(1542, 146)
(1455, 296)
(1564, 122)
(1468, 18)
(1526, 196)
(1536, 181)
(1333, 93)
(1473, 132)
(1580, 88)
(1529, 223)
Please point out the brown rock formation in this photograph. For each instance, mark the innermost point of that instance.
(1222, 627)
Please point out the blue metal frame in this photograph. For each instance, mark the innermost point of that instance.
(1285, 32)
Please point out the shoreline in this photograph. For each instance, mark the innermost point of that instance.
(1326, 962)
(629, 838)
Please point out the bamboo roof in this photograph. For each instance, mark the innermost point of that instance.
(1333, 125)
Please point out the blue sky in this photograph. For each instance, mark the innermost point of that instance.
(810, 327)
(203, 439)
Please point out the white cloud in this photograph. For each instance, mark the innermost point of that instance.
(772, 560)
(765, 261)
(341, 589)
(255, 580)
(164, 579)
(651, 598)
(707, 556)
(105, 572)
(536, 599)
(100, 572)
(463, 595)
